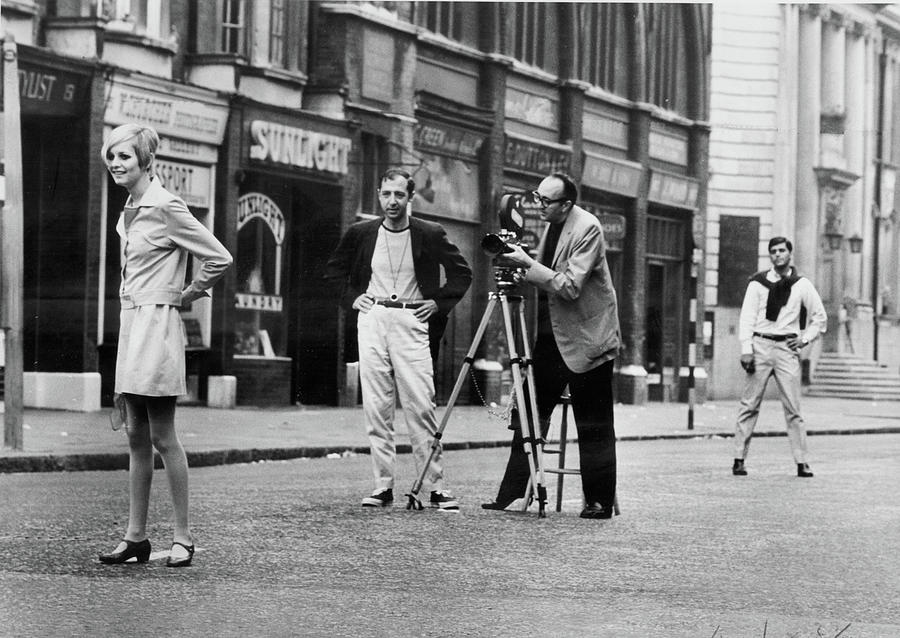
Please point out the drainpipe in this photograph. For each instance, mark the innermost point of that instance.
(879, 151)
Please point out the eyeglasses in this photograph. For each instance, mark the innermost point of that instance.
(545, 201)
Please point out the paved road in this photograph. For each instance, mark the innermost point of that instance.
(285, 549)
(58, 440)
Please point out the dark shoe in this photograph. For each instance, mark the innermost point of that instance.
(133, 549)
(379, 498)
(595, 510)
(738, 468)
(442, 499)
(181, 562)
(803, 470)
(499, 504)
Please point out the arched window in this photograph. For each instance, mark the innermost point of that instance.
(454, 20)
(604, 55)
(531, 33)
(668, 81)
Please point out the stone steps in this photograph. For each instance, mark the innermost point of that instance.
(853, 377)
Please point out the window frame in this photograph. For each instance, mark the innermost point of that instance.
(236, 29)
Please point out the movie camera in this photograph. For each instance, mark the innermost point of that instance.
(510, 234)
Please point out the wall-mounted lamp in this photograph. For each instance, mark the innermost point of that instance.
(834, 239)
(856, 243)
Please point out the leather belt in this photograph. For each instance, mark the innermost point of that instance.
(774, 337)
(400, 304)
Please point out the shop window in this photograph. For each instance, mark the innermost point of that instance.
(613, 220)
(259, 321)
(665, 238)
(604, 49)
(148, 18)
(454, 20)
(530, 30)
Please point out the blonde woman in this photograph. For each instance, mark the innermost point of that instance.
(158, 233)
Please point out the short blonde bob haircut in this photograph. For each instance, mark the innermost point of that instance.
(146, 141)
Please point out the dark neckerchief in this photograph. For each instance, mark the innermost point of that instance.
(779, 291)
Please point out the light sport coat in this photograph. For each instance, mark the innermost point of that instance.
(583, 307)
(158, 233)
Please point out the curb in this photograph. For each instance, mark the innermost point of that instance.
(100, 462)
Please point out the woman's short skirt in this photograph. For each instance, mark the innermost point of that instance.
(150, 360)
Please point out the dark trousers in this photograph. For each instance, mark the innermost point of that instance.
(592, 407)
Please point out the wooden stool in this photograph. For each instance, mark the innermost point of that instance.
(558, 447)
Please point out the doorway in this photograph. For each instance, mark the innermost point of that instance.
(666, 303)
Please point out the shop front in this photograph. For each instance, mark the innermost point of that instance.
(449, 192)
(191, 123)
(609, 187)
(526, 163)
(669, 249)
(285, 216)
(59, 338)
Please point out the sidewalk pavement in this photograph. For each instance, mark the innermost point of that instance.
(65, 441)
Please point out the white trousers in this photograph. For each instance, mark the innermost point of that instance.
(772, 358)
(394, 353)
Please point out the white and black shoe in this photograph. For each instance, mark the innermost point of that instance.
(442, 499)
(379, 498)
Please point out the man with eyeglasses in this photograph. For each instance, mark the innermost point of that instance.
(576, 344)
(389, 274)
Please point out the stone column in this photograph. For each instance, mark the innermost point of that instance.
(806, 243)
(855, 149)
(834, 179)
(631, 380)
(833, 107)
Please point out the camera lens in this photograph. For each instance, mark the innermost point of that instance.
(493, 245)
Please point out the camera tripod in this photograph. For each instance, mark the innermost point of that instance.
(522, 373)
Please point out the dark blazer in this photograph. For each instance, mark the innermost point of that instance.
(350, 268)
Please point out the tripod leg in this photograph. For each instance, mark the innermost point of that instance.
(537, 436)
(413, 498)
(526, 418)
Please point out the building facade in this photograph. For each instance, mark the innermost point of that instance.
(277, 117)
(804, 145)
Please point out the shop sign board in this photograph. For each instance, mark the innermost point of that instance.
(448, 139)
(613, 175)
(613, 226)
(168, 114)
(193, 184)
(44, 90)
(668, 148)
(530, 108)
(293, 146)
(259, 206)
(263, 303)
(605, 130)
(673, 190)
(539, 159)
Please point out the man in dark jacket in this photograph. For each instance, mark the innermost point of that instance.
(390, 273)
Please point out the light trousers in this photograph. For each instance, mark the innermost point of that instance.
(772, 358)
(394, 354)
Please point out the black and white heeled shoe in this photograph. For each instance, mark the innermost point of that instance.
(133, 549)
(184, 561)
